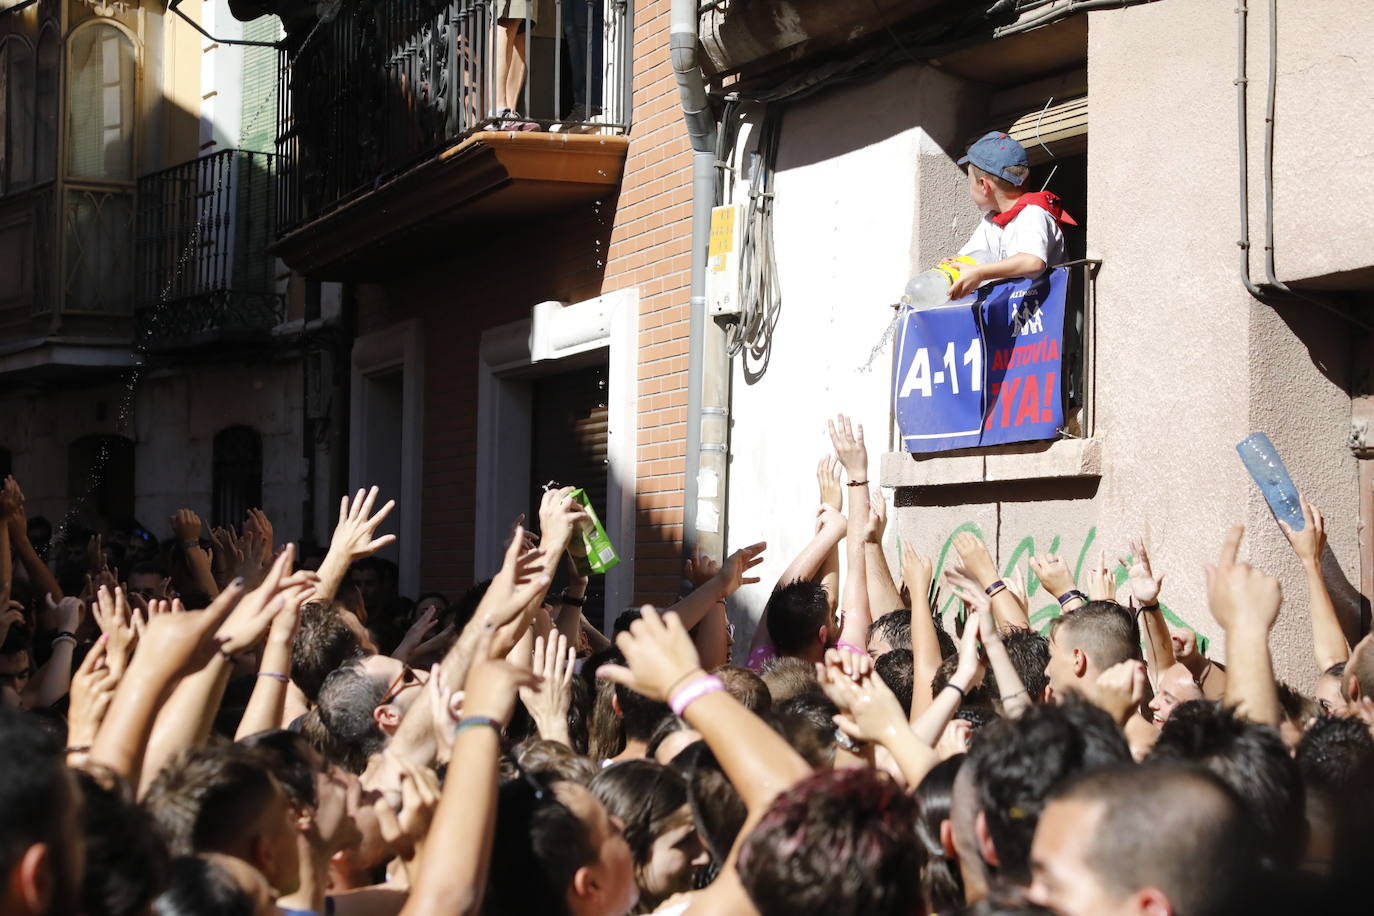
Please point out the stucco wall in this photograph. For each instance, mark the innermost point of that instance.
(174, 421)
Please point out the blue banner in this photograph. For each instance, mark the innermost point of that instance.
(986, 372)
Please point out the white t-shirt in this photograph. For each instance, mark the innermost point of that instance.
(1032, 231)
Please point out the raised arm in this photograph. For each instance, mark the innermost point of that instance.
(1145, 584)
(1328, 638)
(268, 700)
(883, 597)
(925, 643)
(870, 712)
(457, 853)
(1057, 581)
(353, 539)
(974, 556)
(1246, 603)
(1014, 697)
(53, 680)
(853, 454)
(186, 529)
(930, 724)
(832, 495)
(44, 582)
(830, 529)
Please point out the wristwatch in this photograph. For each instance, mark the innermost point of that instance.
(848, 743)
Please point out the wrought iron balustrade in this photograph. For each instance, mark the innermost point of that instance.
(387, 84)
(203, 270)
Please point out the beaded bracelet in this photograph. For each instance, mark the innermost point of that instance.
(694, 691)
(857, 483)
(477, 722)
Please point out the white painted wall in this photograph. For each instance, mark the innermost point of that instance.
(847, 241)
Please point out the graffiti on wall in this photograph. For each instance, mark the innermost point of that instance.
(1041, 616)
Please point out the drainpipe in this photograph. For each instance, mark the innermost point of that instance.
(708, 367)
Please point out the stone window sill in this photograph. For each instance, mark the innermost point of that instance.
(1063, 458)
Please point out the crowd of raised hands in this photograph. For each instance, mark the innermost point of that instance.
(222, 730)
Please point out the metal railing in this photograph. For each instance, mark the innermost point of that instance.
(389, 83)
(201, 249)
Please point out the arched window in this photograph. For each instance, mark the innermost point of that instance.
(237, 483)
(102, 79)
(47, 81)
(100, 479)
(17, 99)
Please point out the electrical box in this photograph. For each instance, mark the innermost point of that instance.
(722, 261)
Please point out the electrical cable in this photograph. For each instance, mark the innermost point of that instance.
(760, 289)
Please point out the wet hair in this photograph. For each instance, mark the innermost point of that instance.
(1030, 653)
(645, 796)
(1336, 760)
(322, 643)
(984, 695)
(288, 756)
(746, 687)
(1172, 827)
(1251, 759)
(796, 613)
(605, 730)
(838, 842)
(33, 791)
(942, 882)
(537, 848)
(127, 863)
(346, 703)
(785, 677)
(207, 799)
(199, 887)
(897, 670)
(805, 721)
(550, 760)
(895, 629)
(1104, 630)
(717, 808)
(1017, 763)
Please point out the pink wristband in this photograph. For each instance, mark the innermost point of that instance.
(694, 691)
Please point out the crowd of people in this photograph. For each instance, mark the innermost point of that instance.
(226, 727)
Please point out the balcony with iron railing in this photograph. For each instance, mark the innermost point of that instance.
(203, 272)
(394, 136)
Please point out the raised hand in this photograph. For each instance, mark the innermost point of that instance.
(548, 701)
(520, 581)
(258, 521)
(974, 557)
(186, 526)
(1099, 582)
(353, 536)
(829, 517)
(252, 616)
(66, 614)
(492, 685)
(869, 710)
(828, 482)
(917, 572)
(1240, 596)
(658, 655)
(417, 632)
(701, 567)
(1144, 582)
(1185, 644)
(1121, 689)
(559, 516)
(734, 572)
(1053, 573)
(404, 826)
(1308, 543)
(1016, 587)
(853, 665)
(849, 447)
(877, 518)
(175, 641)
(12, 614)
(968, 590)
(12, 502)
(92, 688)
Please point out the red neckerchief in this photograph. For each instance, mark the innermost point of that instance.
(1045, 200)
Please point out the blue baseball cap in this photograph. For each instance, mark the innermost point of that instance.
(994, 152)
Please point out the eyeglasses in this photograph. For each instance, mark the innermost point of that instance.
(408, 677)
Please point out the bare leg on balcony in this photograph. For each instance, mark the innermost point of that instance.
(510, 55)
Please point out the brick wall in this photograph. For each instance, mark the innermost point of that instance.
(639, 240)
(650, 249)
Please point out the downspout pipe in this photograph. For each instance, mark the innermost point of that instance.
(701, 131)
(1274, 291)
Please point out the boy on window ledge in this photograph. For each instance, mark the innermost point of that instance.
(1019, 233)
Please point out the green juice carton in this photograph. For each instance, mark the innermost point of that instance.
(597, 554)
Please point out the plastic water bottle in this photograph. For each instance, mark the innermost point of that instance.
(1264, 464)
(931, 288)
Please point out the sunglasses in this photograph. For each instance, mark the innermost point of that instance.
(408, 677)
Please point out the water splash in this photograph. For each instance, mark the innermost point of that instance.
(883, 341)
